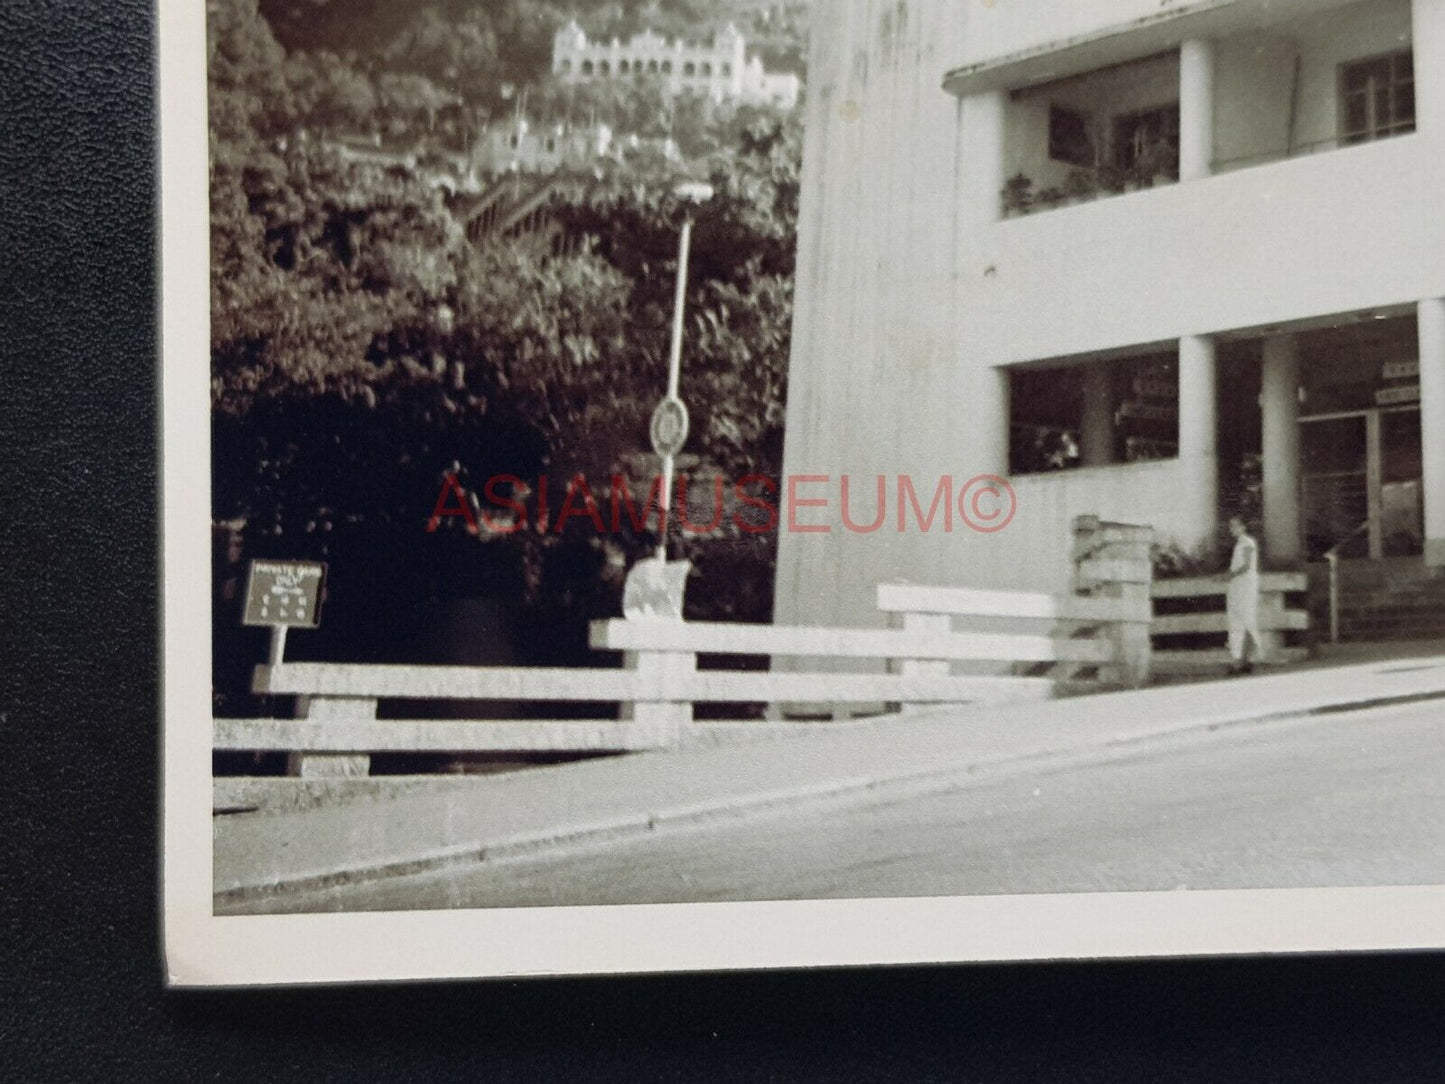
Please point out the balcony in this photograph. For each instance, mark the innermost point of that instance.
(1296, 87)
(1287, 240)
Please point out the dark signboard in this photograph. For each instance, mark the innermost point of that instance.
(284, 594)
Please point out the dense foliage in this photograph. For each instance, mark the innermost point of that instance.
(363, 347)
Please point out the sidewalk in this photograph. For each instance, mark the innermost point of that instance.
(268, 854)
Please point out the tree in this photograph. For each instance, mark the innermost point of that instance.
(363, 349)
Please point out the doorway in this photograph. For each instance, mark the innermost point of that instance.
(1362, 473)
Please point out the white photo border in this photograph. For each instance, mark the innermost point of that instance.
(205, 950)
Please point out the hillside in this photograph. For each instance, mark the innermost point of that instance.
(449, 41)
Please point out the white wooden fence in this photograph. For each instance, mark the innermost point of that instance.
(914, 665)
(1277, 617)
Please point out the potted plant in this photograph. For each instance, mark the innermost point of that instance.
(1112, 179)
(1018, 195)
(1051, 197)
(1158, 164)
(1080, 185)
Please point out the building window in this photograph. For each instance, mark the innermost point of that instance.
(1377, 97)
(586, 67)
(727, 69)
(567, 67)
(605, 68)
(652, 67)
(707, 69)
(623, 67)
(1069, 139)
(1141, 136)
(1097, 413)
(667, 67)
(689, 69)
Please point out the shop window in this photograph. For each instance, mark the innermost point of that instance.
(1069, 137)
(1094, 414)
(1377, 97)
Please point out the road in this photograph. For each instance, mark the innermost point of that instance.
(1336, 800)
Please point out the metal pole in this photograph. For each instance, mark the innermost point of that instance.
(674, 376)
(679, 304)
(278, 644)
(1334, 564)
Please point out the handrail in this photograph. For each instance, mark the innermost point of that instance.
(1333, 552)
(1332, 558)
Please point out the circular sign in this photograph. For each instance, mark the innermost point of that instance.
(669, 427)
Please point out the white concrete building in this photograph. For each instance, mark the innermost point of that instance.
(1233, 253)
(521, 147)
(721, 69)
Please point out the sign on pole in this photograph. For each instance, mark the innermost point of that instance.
(669, 427)
(281, 595)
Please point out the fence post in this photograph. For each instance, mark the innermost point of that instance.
(671, 717)
(1272, 607)
(926, 624)
(1115, 561)
(338, 710)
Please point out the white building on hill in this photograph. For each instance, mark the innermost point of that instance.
(720, 69)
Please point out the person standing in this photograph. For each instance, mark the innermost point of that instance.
(1242, 599)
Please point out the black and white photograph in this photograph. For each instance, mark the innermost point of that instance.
(661, 485)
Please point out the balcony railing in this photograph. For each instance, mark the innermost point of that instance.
(1301, 150)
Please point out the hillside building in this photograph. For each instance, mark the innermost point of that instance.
(720, 69)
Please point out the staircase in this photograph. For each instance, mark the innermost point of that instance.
(1399, 598)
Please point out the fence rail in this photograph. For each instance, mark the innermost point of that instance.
(939, 649)
(1277, 617)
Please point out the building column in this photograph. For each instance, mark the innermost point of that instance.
(991, 415)
(983, 153)
(1199, 436)
(1196, 109)
(1427, 32)
(1279, 408)
(1097, 430)
(1432, 425)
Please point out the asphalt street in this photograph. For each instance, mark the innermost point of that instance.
(1350, 799)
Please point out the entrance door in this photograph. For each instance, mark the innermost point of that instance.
(1362, 483)
(1402, 505)
(1336, 475)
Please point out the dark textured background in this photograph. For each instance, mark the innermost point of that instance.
(81, 997)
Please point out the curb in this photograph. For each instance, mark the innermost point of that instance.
(852, 791)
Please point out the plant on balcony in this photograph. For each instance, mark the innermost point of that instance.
(1018, 195)
(1051, 197)
(1157, 163)
(1112, 179)
(1080, 185)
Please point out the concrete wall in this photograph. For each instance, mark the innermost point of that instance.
(1330, 233)
(1254, 88)
(1348, 34)
(879, 381)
